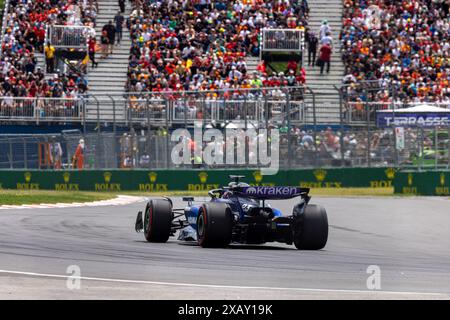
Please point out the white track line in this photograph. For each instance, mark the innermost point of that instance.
(212, 286)
(119, 201)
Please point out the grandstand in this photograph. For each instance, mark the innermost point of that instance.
(223, 61)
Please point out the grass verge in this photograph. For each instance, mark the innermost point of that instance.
(19, 197)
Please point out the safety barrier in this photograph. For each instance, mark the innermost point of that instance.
(426, 183)
(190, 180)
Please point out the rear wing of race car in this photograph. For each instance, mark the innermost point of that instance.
(272, 193)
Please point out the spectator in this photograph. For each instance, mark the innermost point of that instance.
(25, 25)
(92, 48)
(181, 45)
(401, 48)
(104, 40)
(122, 6)
(119, 21)
(110, 30)
(324, 29)
(312, 48)
(325, 57)
(327, 40)
(50, 57)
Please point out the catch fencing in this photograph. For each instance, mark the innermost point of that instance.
(418, 148)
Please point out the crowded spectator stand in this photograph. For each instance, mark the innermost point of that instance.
(194, 46)
(25, 33)
(396, 52)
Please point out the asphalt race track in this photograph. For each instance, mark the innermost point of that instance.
(407, 238)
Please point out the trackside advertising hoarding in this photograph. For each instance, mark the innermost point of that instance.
(429, 183)
(388, 119)
(192, 180)
(418, 116)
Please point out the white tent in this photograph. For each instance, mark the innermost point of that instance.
(418, 109)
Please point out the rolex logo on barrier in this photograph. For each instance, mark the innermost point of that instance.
(385, 183)
(153, 186)
(410, 189)
(390, 173)
(203, 177)
(107, 176)
(153, 176)
(67, 186)
(203, 186)
(107, 185)
(410, 179)
(27, 176)
(27, 185)
(442, 190)
(258, 176)
(320, 175)
(66, 177)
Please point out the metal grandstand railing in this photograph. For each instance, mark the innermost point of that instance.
(19, 109)
(297, 105)
(290, 40)
(68, 36)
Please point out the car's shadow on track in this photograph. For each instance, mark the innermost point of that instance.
(231, 246)
(240, 246)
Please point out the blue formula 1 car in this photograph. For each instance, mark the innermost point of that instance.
(238, 213)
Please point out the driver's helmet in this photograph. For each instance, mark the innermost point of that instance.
(243, 184)
(232, 184)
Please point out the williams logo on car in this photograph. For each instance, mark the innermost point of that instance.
(251, 191)
(67, 186)
(107, 185)
(28, 185)
(153, 186)
(203, 186)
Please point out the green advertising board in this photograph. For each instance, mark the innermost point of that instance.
(190, 180)
(428, 183)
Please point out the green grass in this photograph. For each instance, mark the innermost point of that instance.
(279, 66)
(19, 197)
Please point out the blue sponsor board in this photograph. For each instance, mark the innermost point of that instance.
(401, 119)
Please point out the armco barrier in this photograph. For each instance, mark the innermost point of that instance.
(427, 183)
(190, 180)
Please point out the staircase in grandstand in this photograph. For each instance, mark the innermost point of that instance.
(327, 97)
(252, 63)
(109, 78)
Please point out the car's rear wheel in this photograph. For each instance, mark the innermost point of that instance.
(214, 225)
(158, 218)
(313, 233)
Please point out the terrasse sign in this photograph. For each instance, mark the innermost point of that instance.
(419, 116)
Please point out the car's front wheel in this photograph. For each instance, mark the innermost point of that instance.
(214, 225)
(313, 232)
(158, 218)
